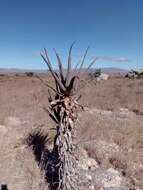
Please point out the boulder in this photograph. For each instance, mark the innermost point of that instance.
(103, 76)
(109, 179)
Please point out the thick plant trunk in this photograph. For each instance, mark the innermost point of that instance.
(64, 147)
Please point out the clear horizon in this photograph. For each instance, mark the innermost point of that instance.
(112, 29)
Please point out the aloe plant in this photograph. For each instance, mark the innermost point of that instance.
(63, 111)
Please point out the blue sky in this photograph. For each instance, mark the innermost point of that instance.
(112, 28)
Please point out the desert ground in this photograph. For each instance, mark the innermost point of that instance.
(109, 132)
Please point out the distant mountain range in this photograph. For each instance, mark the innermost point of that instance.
(20, 71)
(113, 70)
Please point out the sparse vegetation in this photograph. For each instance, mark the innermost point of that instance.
(103, 128)
(29, 74)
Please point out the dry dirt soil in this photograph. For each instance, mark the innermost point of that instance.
(110, 129)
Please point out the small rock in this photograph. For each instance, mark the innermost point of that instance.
(91, 187)
(89, 177)
(3, 129)
(125, 113)
(112, 170)
(87, 163)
